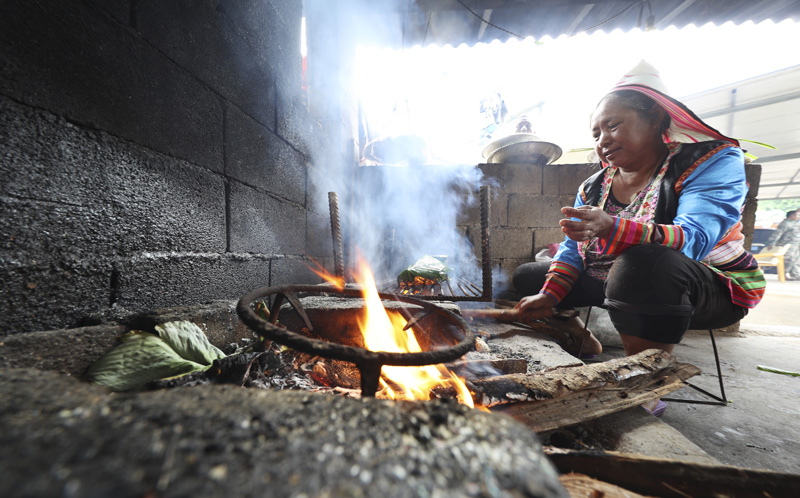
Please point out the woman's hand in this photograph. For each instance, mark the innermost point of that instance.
(594, 223)
(535, 307)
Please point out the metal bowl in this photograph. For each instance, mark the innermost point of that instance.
(521, 148)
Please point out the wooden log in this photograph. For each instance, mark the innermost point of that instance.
(568, 395)
(550, 321)
(473, 368)
(514, 315)
(672, 478)
(583, 486)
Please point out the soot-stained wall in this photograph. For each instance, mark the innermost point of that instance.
(152, 153)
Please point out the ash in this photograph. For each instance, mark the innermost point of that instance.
(275, 367)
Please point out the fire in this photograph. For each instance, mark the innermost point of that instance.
(325, 275)
(383, 331)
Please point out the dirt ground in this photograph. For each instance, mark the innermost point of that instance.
(759, 427)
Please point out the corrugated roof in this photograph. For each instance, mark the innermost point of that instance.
(453, 22)
(762, 109)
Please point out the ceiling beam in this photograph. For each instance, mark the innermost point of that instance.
(751, 105)
(581, 15)
(664, 21)
(782, 184)
(781, 157)
(487, 16)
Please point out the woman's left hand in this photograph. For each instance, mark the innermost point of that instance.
(594, 222)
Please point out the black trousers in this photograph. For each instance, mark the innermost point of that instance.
(651, 291)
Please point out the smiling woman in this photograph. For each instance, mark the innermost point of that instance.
(627, 129)
(655, 236)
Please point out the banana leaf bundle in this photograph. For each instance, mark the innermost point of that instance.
(427, 270)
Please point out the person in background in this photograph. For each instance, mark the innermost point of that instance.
(788, 232)
(655, 236)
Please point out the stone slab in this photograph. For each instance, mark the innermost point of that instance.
(224, 440)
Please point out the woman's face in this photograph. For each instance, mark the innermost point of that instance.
(624, 138)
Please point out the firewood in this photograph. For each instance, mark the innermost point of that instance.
(672, 478)
(568, 395)
(583, 486)
(516, 315)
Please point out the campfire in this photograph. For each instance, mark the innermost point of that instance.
(399, 352)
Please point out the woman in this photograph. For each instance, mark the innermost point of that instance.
(655, 236)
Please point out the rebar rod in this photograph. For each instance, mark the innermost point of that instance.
(336, 234)
(486, 255)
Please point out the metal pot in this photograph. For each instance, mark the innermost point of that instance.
(521, 148)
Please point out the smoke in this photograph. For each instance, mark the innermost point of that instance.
(391, 215)
(403, 213)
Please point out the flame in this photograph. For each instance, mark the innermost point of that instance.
(383, 331)
(325, 275)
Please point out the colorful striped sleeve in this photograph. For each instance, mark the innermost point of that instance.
(670, 236)
(561, 277)
(626, 233)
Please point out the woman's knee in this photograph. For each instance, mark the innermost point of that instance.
(647, 294)
(647, 273)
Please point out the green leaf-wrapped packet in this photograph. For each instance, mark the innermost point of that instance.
(427, 270)
(142, 357)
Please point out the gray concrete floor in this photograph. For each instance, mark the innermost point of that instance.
(760, 427)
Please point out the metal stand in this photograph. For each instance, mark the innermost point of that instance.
(720, 400)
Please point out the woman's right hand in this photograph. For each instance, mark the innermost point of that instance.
(535, 307)
(594, 222)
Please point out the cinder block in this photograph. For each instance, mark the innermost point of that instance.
(290, 271)
(512, 243)
(749, 221)
(564, 179)
(319, 243)
(272, 29)
(120, 9)
(753, 175)
(318, 201)
(294, 123)
(256, 156)
(172, 279)
(207, 44)
(54, 60)
(263, 224)
(544, 236)
(536, 210)
(43, 295)
(86, 193)
(516, 178)
(470, 214)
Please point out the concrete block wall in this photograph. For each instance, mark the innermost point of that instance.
(153, 154)
(526, 204)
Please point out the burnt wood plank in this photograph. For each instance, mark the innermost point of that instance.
(672, 478)
(564, 396)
